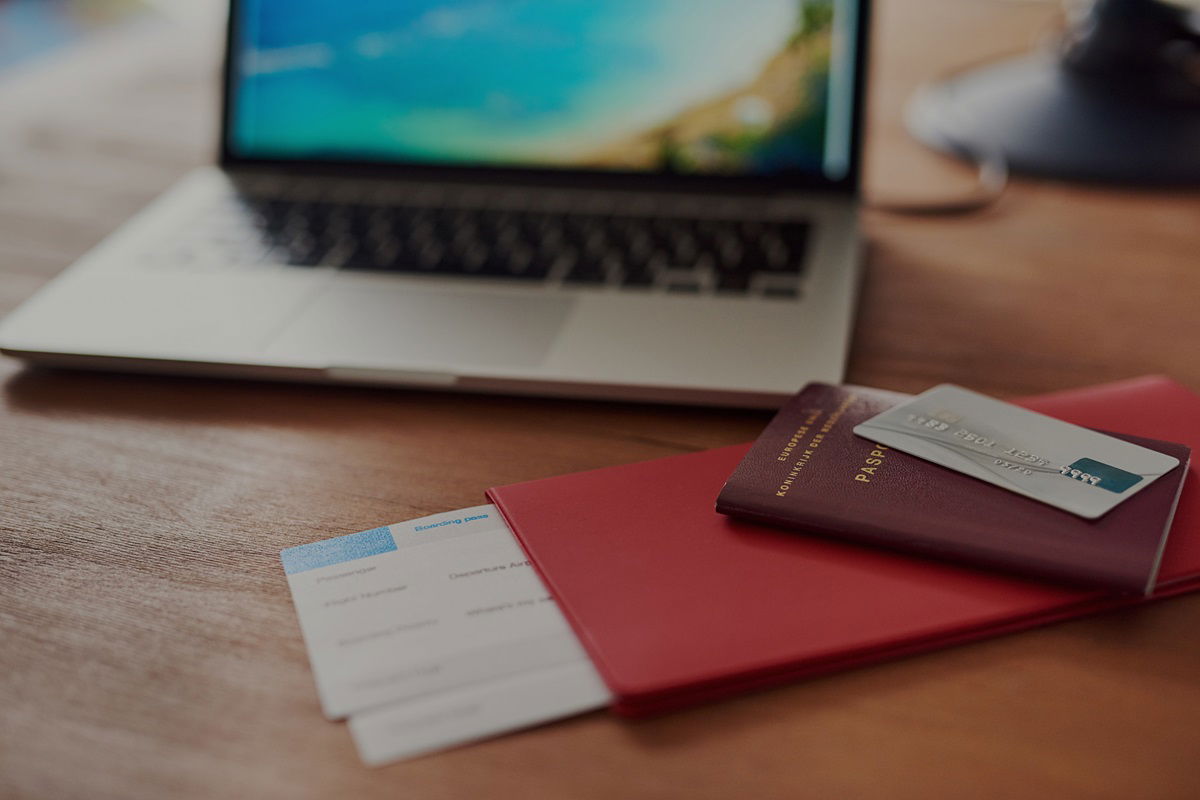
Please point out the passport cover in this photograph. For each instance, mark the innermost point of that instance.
(677, 604)
(811, 472)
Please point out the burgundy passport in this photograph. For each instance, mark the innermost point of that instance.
(810, 472)
(677, 604)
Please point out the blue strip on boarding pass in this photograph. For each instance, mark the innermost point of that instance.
(337, 550)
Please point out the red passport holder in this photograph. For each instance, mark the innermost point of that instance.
(811, 472)
(677, 604)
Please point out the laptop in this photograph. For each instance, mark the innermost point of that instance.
(631, 199)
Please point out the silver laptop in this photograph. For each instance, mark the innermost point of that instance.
(637, 199)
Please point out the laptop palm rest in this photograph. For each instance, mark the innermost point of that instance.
(380, 326)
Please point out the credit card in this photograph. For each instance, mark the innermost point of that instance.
(1063, 465)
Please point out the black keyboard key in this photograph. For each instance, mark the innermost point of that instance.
(795, 236)
(684, 248)
(587, 272)
(773, 255)
(782, 292)
(639, 277)
(520, 263)
(367, 256)
(637, 245)
(467, 255)
(433, 257)
(541, 265)
(311, 258)
(519, 259)
(733, 282)
(731, 255)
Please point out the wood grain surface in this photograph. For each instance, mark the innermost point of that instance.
(148, 646)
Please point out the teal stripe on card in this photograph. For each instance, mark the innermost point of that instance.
(338, 550)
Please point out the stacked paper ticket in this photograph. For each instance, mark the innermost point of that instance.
(435, 632)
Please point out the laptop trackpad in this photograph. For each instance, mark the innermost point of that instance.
(406, 326)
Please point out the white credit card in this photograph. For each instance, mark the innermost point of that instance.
(1063, 465)
(423, 607)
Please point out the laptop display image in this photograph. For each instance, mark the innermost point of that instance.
(616, 199)
(687, 86)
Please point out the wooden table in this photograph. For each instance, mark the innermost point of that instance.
(148, 646)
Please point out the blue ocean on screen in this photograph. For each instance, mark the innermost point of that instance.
(693, 85)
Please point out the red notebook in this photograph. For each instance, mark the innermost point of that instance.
(677, 604)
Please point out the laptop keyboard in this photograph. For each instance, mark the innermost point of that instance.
(672, 253)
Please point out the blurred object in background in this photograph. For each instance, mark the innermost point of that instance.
(30, 28)
(1117, 100)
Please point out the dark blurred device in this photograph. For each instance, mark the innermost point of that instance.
(627, 199)
(1119, 101)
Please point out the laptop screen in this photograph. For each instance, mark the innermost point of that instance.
(681, 87)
